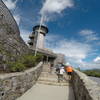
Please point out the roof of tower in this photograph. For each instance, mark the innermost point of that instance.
(42, 26)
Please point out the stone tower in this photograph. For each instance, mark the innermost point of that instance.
(38, 36)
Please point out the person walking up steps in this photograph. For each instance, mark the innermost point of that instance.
(69, 71)
(59, 72)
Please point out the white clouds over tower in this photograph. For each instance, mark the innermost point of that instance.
(51, 7)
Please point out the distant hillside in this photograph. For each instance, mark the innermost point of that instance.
(92, 72)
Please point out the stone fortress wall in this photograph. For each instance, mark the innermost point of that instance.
(6, 17)
(11, 44)
(13, 85)
(9, 31)
(84, 88)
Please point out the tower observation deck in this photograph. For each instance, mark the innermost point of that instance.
(38, 36)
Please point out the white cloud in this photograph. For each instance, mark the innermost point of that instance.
(25, 35)
(11, 4)
(52, 38)
(97, 59)
(89, 65)
(89, 35)
(87, 32)
(71, 48)
(56, 6)
(83, 64)
(17, 18)
(76, 52)
(51, 7)
(92, 37)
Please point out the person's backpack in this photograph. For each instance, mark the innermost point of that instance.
(57, 70)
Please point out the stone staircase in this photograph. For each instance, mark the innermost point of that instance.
(50, 78)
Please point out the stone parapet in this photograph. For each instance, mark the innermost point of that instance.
(13, 85)
(45, 52)
(84, 88)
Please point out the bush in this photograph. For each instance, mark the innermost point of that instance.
(16, 66)
(24, 62)
(39, 57)
(95, 73)
(29, 60)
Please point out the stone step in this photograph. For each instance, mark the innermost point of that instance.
(47, 79)
(52, 80)
(49, 76)
(52, 76)
(54, 83)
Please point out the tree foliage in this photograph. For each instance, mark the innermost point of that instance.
(24, 62)
(93, 72)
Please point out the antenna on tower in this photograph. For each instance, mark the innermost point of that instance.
(41, 21)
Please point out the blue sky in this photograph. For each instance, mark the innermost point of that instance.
(74, 27)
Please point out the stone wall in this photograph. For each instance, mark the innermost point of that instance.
(14, 85)
(84, 88)
(59, 59)
(6, 17)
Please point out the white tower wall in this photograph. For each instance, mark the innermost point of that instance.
(40, 43)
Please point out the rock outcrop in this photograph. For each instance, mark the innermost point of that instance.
(11, 44)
